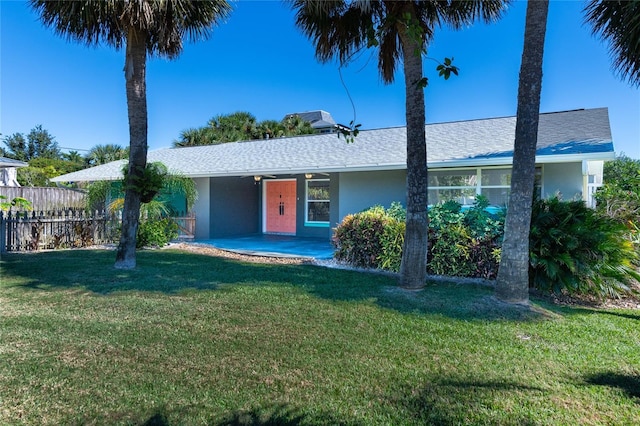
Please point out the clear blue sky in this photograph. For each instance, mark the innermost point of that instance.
(259, 62)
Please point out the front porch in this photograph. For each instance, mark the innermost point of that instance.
(274, 245)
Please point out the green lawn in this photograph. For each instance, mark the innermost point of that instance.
(188, 339)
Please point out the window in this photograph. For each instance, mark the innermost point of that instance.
(318, 201)
(457, 185)
(464, 185)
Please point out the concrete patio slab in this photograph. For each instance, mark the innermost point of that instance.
(275, 246)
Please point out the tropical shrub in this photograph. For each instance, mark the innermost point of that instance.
(619, 197)
(358, 237)
(464, 242)
(156, 232)
(461, 242)
(576, 249)
(392, 241)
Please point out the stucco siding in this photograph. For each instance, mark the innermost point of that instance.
(563, 178)
(202, 208)
(360, 190)
(234, 207)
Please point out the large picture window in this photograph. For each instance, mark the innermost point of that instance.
(318, 198)
(464, 185)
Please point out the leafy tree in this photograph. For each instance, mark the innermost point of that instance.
(42, 144)
(17, 147)
(401, 31)
(144, 28)
(619, 23)
(41, 169)
(513, 273)
(619, 197)
(39, 143)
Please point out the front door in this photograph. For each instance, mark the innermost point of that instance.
(280, 206)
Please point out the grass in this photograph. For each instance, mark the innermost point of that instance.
(188, 339)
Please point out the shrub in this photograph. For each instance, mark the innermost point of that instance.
(576, 249)
(449, 251)
(392, 241)
(464, 243)
(358, 237)
(461, 243)
(619, 197)
(156, 232)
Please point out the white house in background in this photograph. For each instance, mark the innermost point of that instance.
(8, 171)
(305, 185)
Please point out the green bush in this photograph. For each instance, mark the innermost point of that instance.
(358, 237)
(464, 242)
(461, 243)
(576, 249)
(392, 240)
(156, 232)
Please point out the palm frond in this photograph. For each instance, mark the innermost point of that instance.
(618, 22)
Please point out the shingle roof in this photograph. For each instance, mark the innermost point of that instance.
(579, 133)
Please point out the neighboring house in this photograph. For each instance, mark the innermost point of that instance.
(305, 185)
(8, 171)
(321, 121)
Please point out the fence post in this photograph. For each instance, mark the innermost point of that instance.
(3, 233)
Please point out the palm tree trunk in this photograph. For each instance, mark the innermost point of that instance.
(135, 75)
(513, 275)
(413, 267)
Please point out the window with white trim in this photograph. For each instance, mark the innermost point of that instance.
(464, 185)
(317, 201)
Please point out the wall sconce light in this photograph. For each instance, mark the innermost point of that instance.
(257, 178)
(308, 175)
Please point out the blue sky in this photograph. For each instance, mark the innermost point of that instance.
(259, 62)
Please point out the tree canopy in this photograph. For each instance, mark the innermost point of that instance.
(242, 126)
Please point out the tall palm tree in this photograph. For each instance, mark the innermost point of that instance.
(513, 274)
(619, 23)
(401, 30)
(142, 27)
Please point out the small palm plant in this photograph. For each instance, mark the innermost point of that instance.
(575, 249)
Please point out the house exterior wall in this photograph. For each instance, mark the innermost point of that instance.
(202, 208)
(234, 207)
(361, 190)
(563, 178)
(304, 229)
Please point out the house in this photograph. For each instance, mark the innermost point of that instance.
(305, 185)
(320, 120)
(8, 171)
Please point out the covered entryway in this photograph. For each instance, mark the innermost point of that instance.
(280, 206)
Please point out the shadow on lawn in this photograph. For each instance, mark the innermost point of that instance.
(463, 401)
(628, 383)
(273, 415)
(172, 272)
(282, 415)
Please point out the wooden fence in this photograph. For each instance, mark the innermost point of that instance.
(24, 231)
(45, 198)
(69, 228)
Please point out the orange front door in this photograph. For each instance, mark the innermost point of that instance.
(281, 206)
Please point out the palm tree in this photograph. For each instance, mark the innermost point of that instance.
(619, 23)
(142, 27)
(196, 137)
(401, 30)
(103, 154)
(513, 274)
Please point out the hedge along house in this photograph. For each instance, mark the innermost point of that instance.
(305, 185)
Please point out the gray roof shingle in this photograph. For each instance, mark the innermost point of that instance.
(475, 142)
